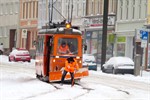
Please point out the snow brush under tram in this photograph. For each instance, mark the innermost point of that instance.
(49, 61)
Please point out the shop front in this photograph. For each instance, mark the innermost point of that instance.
(94, 44)
(93, 36)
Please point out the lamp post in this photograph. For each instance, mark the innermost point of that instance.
(104, 35)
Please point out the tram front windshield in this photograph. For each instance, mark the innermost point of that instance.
(67, 46)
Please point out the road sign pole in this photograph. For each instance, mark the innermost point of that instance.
(144, 45)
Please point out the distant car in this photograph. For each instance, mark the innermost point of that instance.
(89, 60)
(19, 55)
(1, 49)
(119, 65)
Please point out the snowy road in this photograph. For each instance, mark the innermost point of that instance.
(116, 82)
(18, 82)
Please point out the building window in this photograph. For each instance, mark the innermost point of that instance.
(1, 32)
(145, 5)
(1, 8)
(133, 9)
(121, 46)
(33, 9)
(11, 8)
(78, 8)
(127, 9)
(121, 49)
(23, 11)
(5, 32)
(110, 6)
(92, 7)
(26, 10)
(83, 10)
(121, 9)
(98, 7)
(6, 8)
(140, 1)
(65, 9)
(29, 3)
(16, 7)
(101, 6)
(36, 9)
(33, 38)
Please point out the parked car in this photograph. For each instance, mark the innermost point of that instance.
(89, 61)
(19, 55)
(1, 49)
(119, 65)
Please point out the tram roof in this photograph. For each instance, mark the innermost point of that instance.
(59, 31)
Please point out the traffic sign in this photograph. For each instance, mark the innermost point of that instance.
(144, 35)
(24, 33)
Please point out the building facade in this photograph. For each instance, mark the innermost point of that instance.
(70, 10)
(28, 21)
(46, 14)
(148, 27)
(93, 24)
(148, 12)
(9, 23)
(131, 17)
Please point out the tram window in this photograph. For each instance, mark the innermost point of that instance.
(51, 45)
(40, 44)
(67, 45)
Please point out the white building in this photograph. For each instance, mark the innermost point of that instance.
(131, 15)
(60, 11)
(45, 11)
(79, 11)
(93, 22)
(9, 23)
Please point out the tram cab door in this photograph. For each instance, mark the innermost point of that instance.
(49, 46)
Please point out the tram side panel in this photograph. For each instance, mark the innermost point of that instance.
(39, 63)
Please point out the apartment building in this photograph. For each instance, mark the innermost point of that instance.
(93, 24)
(62, 11)
(9, 13)
(47, 13)
(148, 27)
(43, 13)
(79, 11)
(131, 17)
(148, 12)
(28, 21)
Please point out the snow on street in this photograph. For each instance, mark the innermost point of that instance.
(18, 82)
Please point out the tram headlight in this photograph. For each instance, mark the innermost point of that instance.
(77, 57)
(68, 25)
(57, 56)
(37, 60)
(54, 60)
(80, 61)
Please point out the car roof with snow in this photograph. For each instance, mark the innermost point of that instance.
(20, 51)
(89, 57)
(120, 60)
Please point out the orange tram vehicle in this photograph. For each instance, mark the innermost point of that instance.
(49, 62)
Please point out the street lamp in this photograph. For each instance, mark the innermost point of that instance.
(104, 35)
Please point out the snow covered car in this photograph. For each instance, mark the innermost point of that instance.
(19, 55)
(119, 65)
(89, 61)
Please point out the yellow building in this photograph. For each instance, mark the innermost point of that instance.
(148, 11)
(148, 22)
